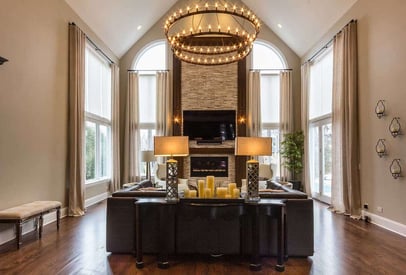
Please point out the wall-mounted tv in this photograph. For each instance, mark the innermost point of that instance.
(209, 125)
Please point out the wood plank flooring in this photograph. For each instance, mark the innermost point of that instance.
(342, 246)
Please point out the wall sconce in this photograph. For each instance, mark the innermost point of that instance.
(394, 127)
(176, 120)
(380, 148)
(241, 120)
(395, 168)
(380, 108)
(2, 60)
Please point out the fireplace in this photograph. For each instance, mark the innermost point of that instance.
(209, 166)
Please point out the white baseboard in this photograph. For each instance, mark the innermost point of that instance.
(96, 199)
(388, 224)
(7, 231)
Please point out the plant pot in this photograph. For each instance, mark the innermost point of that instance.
(296, 185)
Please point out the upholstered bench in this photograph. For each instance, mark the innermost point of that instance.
(22, 213)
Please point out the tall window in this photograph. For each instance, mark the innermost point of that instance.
(97, 116)
(270, 62)
(151, 60)
(320, 110)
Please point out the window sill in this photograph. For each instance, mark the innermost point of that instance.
(97, 182)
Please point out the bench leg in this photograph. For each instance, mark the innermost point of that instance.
(19, 233)
(58, 217)
(41, 223)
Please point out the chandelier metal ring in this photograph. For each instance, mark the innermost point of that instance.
(221, 35)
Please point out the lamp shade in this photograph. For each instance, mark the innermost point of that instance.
(177, 146)
(253, 146)
(147, 156)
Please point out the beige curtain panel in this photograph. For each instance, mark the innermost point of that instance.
(131, 130)
(254, 104)
(305, 126)
(345, 150)
(115, 128)
(285, 113)
(164, 105)
(77, 42)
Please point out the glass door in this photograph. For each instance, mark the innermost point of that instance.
(320, 159)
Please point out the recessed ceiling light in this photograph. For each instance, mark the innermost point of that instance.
(139, 27)
(280, 26)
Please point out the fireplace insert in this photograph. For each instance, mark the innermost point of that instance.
(209, 166)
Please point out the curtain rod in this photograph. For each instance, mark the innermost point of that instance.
(147, 70)
(94, 45)
(271, 70)
(328, 44)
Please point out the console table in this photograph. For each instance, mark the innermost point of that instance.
(210, 213)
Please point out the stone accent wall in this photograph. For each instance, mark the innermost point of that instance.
(210, 88)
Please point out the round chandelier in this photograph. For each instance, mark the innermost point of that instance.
(212, 33)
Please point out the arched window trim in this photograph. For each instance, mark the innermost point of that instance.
(273, 48)
(146, 48)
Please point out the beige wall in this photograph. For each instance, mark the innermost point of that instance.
(382, 70)
(33, 100)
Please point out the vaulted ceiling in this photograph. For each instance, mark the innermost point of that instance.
(122, 23)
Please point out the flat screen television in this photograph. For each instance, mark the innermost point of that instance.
(209, 125)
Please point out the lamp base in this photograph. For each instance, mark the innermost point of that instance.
(252, 180)
(172, 180)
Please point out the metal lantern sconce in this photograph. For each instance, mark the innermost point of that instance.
(380, 108)
(395, 168)
(394, 127)
(380, 148)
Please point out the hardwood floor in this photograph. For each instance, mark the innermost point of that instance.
(342, 246)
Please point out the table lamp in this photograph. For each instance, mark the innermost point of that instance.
(253, 146)
(147, 157)
(173, 146)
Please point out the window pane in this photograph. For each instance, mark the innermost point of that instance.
(274, 159)
(105, 151)
(327, 159)
(314, 149)
(321, 86)
(147, 139)
(90, 145)
(270, 98)
(147, 98)
(264, 57)
(153, 58)
(97, 85)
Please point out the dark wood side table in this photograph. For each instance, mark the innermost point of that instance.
(274, 209)
(167, 211)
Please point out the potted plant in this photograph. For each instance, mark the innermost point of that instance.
(292, 150)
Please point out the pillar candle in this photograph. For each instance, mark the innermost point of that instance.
(221, 192)
(231, 187)
(236, 193)
(186, 193)
(207, 193)
(210, 183)
(192, 193)
(200, 184)
(228, 196)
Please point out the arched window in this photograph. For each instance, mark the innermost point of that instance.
(150, 60)
(270, 62)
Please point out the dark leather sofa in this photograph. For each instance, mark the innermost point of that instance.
(121, 226)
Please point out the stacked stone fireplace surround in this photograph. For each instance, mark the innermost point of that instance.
(210, 88)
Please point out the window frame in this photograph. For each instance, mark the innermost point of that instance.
(98, 121)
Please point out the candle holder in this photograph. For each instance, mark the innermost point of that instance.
(380, 148)
(395, 169)
(380, 108)
(394, 127)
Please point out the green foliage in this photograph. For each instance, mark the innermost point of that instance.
(90, 152)
(292, 150)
